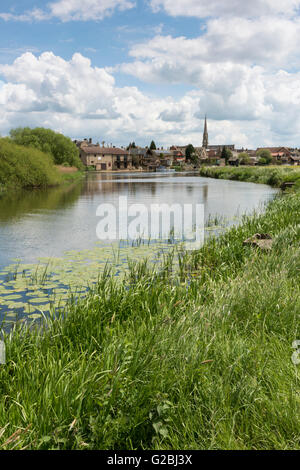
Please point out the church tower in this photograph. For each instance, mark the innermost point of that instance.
(205, 135)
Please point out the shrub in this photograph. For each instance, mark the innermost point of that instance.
(21, 167)
(60, 147)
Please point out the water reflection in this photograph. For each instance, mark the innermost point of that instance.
(47, 223)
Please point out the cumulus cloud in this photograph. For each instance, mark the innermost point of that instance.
(80, 100)
(205, 9)
(241, 69)
(72, 10)
(268, 42)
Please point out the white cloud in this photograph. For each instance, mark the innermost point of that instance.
(80, 100)
(204, 8)
(271, 42)
(72, 10)
(241, 70)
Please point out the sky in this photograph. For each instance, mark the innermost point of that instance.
(136, 70)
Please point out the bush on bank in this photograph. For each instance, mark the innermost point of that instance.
(22, 167)
(62, 149)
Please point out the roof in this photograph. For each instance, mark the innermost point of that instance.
(274, 149)
(97, 150)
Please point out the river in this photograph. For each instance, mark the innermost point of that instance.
(38, 224)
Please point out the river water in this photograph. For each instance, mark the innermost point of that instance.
(47, 223)
(49, 251)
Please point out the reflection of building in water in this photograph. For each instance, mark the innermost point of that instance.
(105, 183)
(103, 158)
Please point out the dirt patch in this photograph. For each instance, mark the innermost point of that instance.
(66, 169)
(261, 240)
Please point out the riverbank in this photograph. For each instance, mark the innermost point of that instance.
(272, 175)
(199, 358)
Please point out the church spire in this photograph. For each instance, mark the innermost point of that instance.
(205, 135)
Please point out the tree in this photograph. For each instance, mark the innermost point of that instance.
(152, 145)
(264, 156)
(131, 146)
(189, 152)
(226, 154)
(244, 158)
(61, 148)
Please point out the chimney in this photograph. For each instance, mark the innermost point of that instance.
(90, 140)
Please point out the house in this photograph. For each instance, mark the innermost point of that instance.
(218, 148)
(137, 155)
(178, 154)
(103, 158)
(234, 160)
(279, 154)
(294, 158)
(150, 161)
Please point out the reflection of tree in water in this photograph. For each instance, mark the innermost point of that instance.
(205, 192)
(15, 204)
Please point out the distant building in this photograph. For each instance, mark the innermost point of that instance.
(213, 152)
(279, 154)
(103, 158)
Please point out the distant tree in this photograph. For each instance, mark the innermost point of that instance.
(226, 154)
(61, 148)
(131, 146)
(189, 152)
(264, 156)
(244, 158)
(152, 145)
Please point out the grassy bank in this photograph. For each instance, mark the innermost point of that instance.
(22, 167)
(272, 175)
(196, 359)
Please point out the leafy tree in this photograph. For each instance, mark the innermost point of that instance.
(61, 148)
(244, 158)
(190, 152)
(226, 154)
(152, 145)
(265, 156)
(262, 161)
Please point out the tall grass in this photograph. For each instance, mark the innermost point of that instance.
(272, 175)
(199, 358)
(22, 167)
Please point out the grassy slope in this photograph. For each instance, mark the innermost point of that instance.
(22, 167)
(127, 368)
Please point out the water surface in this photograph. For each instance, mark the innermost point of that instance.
(47, 223)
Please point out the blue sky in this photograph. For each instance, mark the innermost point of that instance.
(123, 70)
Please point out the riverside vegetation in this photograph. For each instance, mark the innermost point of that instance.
(272, 175)
(196, 356)
(29, 156)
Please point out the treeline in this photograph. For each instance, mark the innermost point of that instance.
(61, 148)
(22, 167)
